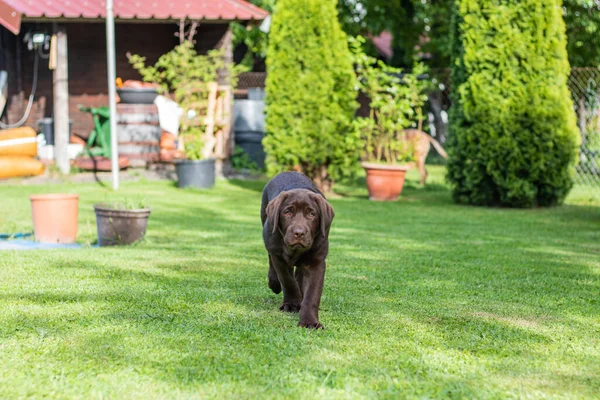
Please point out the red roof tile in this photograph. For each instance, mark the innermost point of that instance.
(140, 9)
(10, 18)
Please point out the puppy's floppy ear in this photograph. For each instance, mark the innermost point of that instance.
(273, 210)
(326, 214)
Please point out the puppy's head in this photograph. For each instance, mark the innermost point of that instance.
(300, 215)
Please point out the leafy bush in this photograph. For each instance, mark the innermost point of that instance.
(240, 160)
(188, 75)
(255, 40)
(181, 69)
(396, 103)
(311, 94)
(126, 204)
(513, 136)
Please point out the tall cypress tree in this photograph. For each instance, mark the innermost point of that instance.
(311, 97)
(513, 139)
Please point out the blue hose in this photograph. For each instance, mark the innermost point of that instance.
(6, 236)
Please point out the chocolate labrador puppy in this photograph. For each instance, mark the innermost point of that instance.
(296, 219)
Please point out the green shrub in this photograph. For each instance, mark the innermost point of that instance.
(125, 203)
(240, 160)
(311, 94)
(396, 103)
(189, 76)
(513, 136)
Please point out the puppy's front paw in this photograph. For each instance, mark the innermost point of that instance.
(290, 307)
(311, 325)
(274, 285)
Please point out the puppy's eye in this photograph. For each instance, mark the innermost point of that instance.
(312, 214)
(287, 212)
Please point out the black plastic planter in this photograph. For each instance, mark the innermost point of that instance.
(249, 125)
(195, 173)
(120, 227)
(46, 126)
(137, 95)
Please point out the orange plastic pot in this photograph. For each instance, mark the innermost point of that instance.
(385, 182)
(55, 217)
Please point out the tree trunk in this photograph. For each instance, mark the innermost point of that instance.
(435, 100)
(322, 179)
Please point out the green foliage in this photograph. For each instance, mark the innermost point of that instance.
(582, 18)
(310, 93)
(181, 69)
(188, 75)
(255, 39)
(513, 135)
(126, 203)
(193, 139)
(240, 160)
(407, 20)
(396, 104)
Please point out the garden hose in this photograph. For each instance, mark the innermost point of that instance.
(31, 97)
(7, 236)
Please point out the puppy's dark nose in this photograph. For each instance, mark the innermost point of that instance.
(299, 234)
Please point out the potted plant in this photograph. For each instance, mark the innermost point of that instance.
(194, 170)
(55, 217)
(121, 223)
(387, 156)
(192, 78)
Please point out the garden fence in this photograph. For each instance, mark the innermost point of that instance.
(585, 90)
(584, 84)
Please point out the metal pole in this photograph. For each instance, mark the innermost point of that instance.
(61, 102)
(112, 91)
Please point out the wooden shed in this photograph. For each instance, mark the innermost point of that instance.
(143, 27)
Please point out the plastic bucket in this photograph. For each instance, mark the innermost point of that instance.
(195, 173)
(46, 126)
(55, 217)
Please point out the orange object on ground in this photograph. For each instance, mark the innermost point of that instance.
(77, 140)
(55, 217)
(18, 142)
(19, 166)
(170, 155)
(167, 141)
(131, 83)
(385, 182)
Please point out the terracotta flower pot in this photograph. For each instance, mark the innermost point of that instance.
(385, 182)
(120, 227)
(55, 217)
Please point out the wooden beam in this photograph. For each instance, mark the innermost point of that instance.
(226, 44)
(61, 102)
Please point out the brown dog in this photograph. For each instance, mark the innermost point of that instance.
(296, 219)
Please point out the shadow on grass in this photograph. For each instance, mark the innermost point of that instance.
(189, 323)
(254, 185)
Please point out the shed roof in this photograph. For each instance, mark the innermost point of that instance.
(207, 10)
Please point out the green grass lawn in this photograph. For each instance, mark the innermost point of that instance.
(423, 299)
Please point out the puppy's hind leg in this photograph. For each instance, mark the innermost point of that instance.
(274, 283)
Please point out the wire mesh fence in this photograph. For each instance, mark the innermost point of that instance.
(585, 90)
(249, 80)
